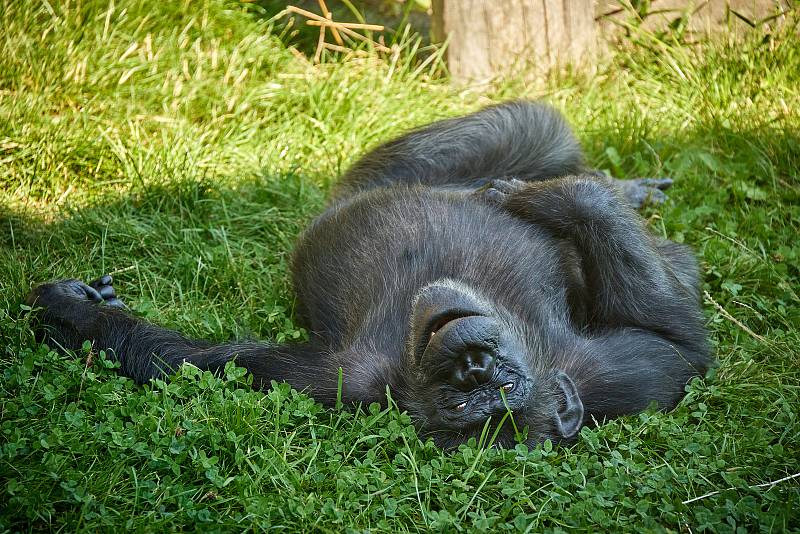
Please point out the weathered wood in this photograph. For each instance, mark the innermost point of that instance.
(707, 16)
(494, 38)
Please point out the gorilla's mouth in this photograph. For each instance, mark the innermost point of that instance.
(439, 322)
(435, 324)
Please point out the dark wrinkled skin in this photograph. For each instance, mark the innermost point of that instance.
(476, 268)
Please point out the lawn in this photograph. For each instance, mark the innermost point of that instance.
(182, 146)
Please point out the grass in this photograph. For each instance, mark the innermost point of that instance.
(182, 147)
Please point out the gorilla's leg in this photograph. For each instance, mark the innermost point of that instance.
(72, 312)
(528, 140)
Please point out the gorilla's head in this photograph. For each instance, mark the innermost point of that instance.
(471, 361)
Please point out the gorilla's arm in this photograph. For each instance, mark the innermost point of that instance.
(631, 281)
(646, 331)
(71, 313)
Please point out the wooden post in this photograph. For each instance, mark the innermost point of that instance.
(495, 38)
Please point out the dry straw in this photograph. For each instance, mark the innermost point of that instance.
(326, 22)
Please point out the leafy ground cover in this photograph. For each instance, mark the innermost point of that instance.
(182, 146)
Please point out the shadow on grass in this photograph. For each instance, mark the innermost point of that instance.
(199, 244)
(182, 251)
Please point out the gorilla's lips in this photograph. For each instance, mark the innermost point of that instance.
(438, 322)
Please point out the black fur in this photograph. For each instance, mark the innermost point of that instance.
(473, 268)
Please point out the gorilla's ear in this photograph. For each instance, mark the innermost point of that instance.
(569, 416)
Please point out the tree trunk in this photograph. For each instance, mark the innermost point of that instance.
(494, 38)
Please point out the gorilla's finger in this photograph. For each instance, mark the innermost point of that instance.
(108, 292)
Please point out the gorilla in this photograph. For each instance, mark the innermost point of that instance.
(478, 269)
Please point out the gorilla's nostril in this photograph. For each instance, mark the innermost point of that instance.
(480, 365)
(473, 368)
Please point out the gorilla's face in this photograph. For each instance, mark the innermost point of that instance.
(471, 363)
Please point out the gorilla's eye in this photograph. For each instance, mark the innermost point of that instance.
(509, 387)
(460, 407)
